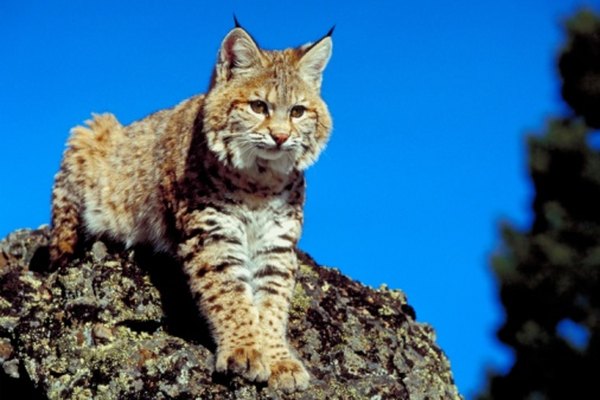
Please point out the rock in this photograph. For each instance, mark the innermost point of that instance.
(99, 251)
(120, 324)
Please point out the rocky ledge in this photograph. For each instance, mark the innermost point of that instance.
(120, 324)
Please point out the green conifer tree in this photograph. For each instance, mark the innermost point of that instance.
(549, 275)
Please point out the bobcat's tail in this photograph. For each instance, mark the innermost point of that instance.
(96, 136)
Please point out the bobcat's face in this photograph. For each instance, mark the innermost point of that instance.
(264, 107)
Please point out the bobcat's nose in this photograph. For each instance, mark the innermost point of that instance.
(280, 138)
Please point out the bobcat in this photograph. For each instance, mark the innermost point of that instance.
(218, 182)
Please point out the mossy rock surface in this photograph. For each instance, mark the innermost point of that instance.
(119, 324)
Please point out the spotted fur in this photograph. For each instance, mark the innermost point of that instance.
(217, 181)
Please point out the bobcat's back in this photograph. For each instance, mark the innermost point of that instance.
(110, 178)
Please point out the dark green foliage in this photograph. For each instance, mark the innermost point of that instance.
(580, 67)
(549, 276)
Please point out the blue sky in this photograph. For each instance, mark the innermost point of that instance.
(431, 102)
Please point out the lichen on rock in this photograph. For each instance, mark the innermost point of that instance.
(120, 324)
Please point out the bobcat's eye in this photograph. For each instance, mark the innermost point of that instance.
(297, 111)
(259, 107)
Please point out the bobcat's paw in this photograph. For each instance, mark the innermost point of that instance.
(288, 375)
(246, 361)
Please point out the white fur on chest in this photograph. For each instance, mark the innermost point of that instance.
(268, 227)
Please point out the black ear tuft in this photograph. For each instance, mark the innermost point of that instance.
(236, 22)
(238, 25)
(330, 31)
(328, 34)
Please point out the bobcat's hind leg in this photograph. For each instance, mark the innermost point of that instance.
(66, 220)
(84, 158)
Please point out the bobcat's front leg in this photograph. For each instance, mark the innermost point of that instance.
(214, 257)
(274, 285)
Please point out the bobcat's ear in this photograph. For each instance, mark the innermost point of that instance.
(315, 59)
(239, 55)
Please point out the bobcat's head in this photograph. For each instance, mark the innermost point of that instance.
(264, 108)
